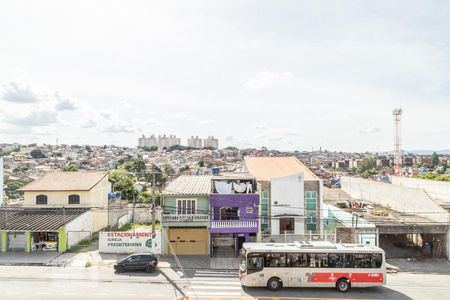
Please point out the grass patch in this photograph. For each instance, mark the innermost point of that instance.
(148, 226)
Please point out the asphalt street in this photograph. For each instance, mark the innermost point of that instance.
(90, 283)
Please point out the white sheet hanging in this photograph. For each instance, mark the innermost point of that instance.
(223, 187)
(249, 188)
(239, 187)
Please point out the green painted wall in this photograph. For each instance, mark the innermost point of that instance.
(62, 239)
(4, 240)
(28, 239)
(170, 204)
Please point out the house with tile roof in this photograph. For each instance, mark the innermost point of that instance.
(185, 218)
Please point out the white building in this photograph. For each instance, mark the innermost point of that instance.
(211, 142)
(195, 142)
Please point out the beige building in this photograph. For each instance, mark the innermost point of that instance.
(195, 142)
(211, 142)
(71, 190)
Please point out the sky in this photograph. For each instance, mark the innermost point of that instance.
(287, 75)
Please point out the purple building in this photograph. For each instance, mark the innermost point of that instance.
(233, 213)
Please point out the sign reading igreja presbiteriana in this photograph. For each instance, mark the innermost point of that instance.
(129, 242)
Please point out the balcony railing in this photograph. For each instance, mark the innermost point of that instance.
(185, 218)
(219, 224)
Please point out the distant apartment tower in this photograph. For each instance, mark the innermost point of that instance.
(167, 141)
(195, 142)
(211, 142)
(147, 141)
(160, 142)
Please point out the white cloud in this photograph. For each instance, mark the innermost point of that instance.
(65, 103)
(117, 127)
(17, 91)
(371, 129)
(33, 118)
(261, 127)
(201, 121)
(266, 79)
(88, 123)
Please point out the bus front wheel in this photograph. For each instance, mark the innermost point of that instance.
(343, 285)
(274, 284)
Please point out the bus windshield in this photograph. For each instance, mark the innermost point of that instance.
(243, 262)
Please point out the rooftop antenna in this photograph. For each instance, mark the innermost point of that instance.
(397, 113)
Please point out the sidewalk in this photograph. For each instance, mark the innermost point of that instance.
(428, 265)
(27, 259)
(201, 262)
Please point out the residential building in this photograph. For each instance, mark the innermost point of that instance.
(147, 142)
(71, 190)
(185, 217)
(234, 213)
(195, 142)
(291, 196)
(211, 142)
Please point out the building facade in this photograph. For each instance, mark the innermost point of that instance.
(211, 142)
(185, 216)
(234, 213)
(291, 196)
(195, 142)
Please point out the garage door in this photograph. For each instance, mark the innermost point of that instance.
(16, 241)
(188, 241)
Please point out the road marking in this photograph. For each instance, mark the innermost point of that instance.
(213, 293)
(201, 281)
(215, 287)
(43, 293)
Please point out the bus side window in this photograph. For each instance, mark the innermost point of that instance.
(376, 260)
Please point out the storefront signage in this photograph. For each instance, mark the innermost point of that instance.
(129, 242)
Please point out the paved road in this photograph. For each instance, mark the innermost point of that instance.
(208, 284)
(89, 283)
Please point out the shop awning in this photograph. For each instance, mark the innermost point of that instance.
(37, 219)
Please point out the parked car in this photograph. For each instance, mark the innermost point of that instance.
(136, 262)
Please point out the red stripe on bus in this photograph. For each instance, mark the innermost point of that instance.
(353, 277)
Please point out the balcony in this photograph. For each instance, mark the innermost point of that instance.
(185, 218)
(234, 226)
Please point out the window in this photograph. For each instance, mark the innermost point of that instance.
(286, 225)
(41, 199)
(249, 209)
(74, 199)
(298, 260)
(186, 206)
(311, 210)
(275, 260)
(229, 213)
(255, 262)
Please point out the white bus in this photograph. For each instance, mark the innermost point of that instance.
(311, 264)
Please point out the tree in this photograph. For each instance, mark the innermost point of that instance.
(136, 165)
(12, 187)
(168, 169)
(201, 163)
(71, 168)
(37, 153)
(150, 149)
(124, 182)
(88, 148)
(160, 177)
(434, 159)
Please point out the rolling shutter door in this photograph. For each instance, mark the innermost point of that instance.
(189, 241)
(16, 241)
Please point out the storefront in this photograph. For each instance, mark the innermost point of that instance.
(38, 230)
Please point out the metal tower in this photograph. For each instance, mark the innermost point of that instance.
(397, 112)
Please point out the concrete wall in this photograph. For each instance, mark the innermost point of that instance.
(79, 229)
(99, 219)
(399, 198)
(439, 188)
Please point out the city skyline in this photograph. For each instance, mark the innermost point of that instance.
(327, 78)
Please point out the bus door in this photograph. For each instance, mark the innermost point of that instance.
(255, 270)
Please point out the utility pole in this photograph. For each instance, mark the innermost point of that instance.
(153, 206)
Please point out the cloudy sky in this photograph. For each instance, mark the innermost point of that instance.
(281, 74)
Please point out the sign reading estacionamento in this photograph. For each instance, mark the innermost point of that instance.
(129, 242)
